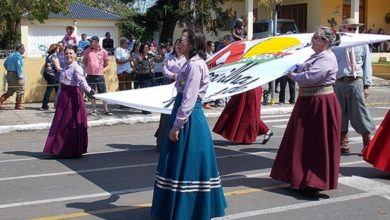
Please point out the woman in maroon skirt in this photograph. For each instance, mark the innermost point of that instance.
(68, 137)
(309, 155)
(240, 120)
(378, 151)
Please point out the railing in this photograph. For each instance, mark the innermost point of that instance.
(5, 53)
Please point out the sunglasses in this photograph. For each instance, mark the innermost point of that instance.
(351, 28)
(317, 38)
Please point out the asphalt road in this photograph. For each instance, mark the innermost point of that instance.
(115, 179)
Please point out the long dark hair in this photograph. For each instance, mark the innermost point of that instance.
(174, 47)
(198, 42)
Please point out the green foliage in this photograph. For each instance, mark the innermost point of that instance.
(116, 6)
(12, 11)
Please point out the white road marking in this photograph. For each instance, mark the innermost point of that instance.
(78, 172)
(69, 198)
(367, 185)
(92, 153)
(79, 197)
(295, 206)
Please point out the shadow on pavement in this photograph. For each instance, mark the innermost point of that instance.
(104, 209)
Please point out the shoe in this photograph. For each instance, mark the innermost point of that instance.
(345, 149)
(108, 113)
(44, 109)
(93, 113)
(146, 112)
(267, 136)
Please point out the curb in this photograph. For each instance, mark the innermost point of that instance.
(130, 120)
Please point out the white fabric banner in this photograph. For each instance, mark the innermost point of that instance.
(239, 67)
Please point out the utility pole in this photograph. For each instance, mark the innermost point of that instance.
(274, 32)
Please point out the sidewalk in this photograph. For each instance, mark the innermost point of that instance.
(31, 118)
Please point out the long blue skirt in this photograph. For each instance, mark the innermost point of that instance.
(188, 185)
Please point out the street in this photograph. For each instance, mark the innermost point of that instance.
(115, 179)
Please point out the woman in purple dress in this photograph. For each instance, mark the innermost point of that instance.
(309, 155)
(68, 137)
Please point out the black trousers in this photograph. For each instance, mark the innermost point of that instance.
(291, 86)
(52, 83)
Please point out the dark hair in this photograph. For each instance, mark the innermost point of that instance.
(70, 47)
(174, 47)
(52, 49)
(162, 46)
(198, 42)
(19, 46)
(70, 28)
(141, 49)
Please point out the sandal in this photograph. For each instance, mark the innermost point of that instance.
(108, 113)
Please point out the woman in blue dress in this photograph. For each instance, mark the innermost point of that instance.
(187, 183)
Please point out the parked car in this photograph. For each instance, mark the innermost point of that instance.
(263, 28)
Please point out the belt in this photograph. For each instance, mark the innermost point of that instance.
(315, 91)
(348, 78)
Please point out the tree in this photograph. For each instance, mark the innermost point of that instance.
(204, 14)
(269, 5)
(12, 12)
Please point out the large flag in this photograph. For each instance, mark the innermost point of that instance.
(239, 67)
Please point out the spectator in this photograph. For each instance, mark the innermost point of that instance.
(13, 64)
(70, 38)
(131, 42)
(227, 39)
(158, 64)
(291, 87)
(51, 74)
(145, 69)
(210, 49)
(68, 135)
(238, 30)
(108, 43)
(123, 61)
(60, 54)
(83, 43)
(95, 60)
(135, 57)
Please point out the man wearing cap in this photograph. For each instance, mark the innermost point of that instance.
(354, 78)
(95, 59)
(108, 43)
(14, 66)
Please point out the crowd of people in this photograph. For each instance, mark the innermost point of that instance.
(333, 84)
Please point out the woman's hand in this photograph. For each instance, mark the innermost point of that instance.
(174, 134)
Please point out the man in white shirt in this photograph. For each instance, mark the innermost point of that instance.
(123, 68)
